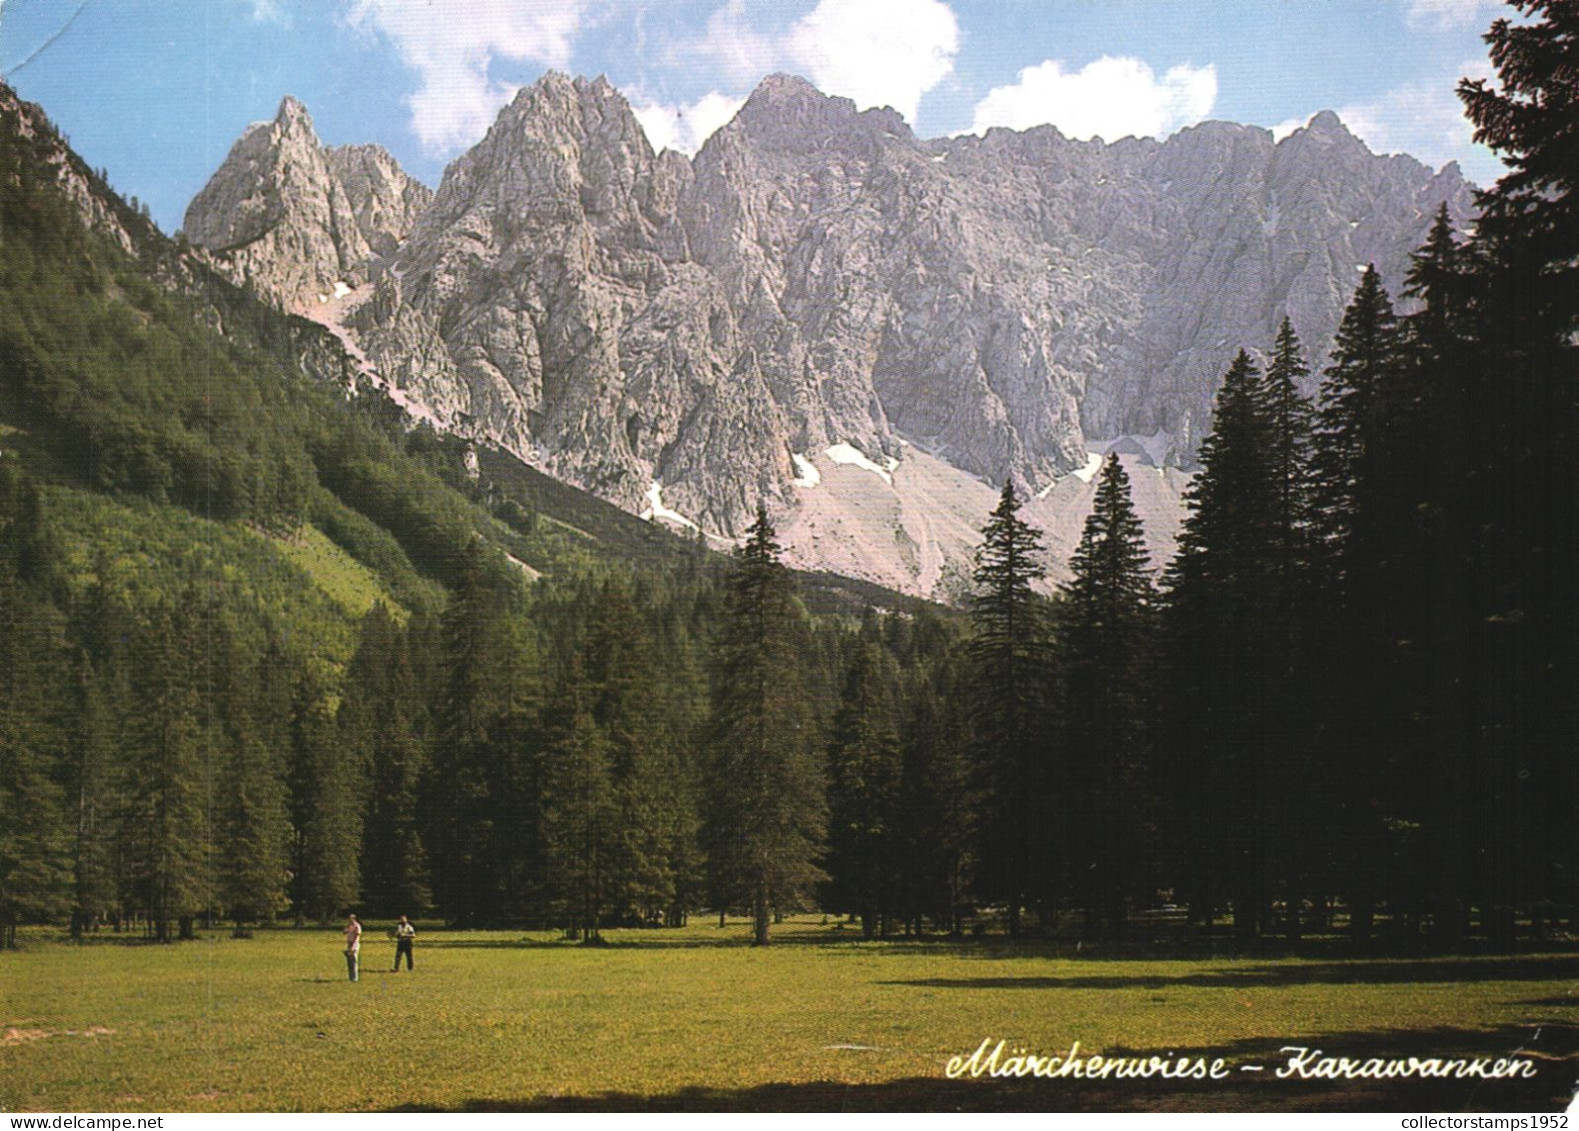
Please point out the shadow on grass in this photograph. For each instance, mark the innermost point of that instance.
(1545, 968)
(1552, 1047)
(572, 944)
(731, 937)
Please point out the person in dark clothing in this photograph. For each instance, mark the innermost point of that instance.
(405, 936)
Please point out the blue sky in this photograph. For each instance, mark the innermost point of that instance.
(155, 91)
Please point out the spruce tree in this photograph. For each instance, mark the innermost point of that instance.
(327, 791)
(1009, 653)
(646, 721)
(1290, 421)
(767, 817)
(1350, 425)
(1105, 635)
(1218, 607)
(97, 790)
(169, 820)
(1356, 468)
(1527, 282)
(35, 692)
(1443, 370)
(863, 792)
(580, 836)
(941, 802)
(35, 842)
(483, 842)
(1529, 221)
(383, 720)
(1292, 615)
(255, 861)
(254, 856)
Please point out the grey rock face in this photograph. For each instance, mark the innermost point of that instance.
(291, 219)
(549, 291)
(816, 277)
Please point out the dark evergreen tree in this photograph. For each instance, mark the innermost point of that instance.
(328, 787)
(767, 817)
(1010, 660)
(97, 789)
(382, 720)
(35, 840)
(941, 802)
(647, 715)
(254, 863)
(1526, 290)
(35, 682)
(1442, 370)
(580, 834)
(482, 840)
(864, 793)
(1529, 221)
(1104, 640)
(1220, 684)
(1352, 415)
(1290, 421)
(1292, 717)
(1357, 466)
(254, 820)
(169, 832)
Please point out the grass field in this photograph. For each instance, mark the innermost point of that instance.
(696, 1019)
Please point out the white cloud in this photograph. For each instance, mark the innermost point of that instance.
(741, 54)
(877, 54)
(887, 54)
(1452, 15)
(1283, 129)
(270, 12)
(685, 128)
(1426, 120)
(451, 44)
(1110, 98)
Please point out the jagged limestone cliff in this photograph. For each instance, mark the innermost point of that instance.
(690, 336)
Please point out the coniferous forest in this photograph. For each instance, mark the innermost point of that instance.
(1346, 707)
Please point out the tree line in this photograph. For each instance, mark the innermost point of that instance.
(1347, 702)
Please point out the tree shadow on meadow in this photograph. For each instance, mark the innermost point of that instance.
(1553, 1047)
(1541, 968)
(572, 944)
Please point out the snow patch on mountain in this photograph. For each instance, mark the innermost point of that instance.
(656, 509)
(849, 454)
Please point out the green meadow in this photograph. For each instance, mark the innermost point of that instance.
(696, 1019)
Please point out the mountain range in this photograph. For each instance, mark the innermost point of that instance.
(866, 330)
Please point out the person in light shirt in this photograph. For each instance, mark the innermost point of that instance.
(353, 946)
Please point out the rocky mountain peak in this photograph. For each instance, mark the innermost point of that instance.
(1326, 138)
(296, 222)
(789, 112)
(1327, 124)
(292, 117)
(785, 95)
